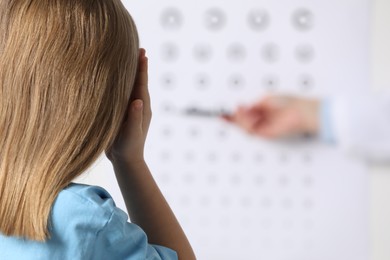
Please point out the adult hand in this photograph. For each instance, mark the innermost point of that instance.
(129, 144)
(278, 117)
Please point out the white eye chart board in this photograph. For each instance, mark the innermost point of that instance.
(238, 196)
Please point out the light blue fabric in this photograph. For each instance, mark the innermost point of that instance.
(86, 224)
(326, 128)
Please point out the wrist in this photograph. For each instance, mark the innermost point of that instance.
(126, 164)
(135, 178)
(311, 112)
(126, 157)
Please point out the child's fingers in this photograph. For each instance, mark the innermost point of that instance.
(144, 92)
(140, 89)
(135, 118)
(142, 76)
(142, 73)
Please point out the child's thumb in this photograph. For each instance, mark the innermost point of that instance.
(135, 113)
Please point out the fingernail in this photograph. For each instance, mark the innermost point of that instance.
(138, 104)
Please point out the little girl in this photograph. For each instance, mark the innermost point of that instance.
(73, 84)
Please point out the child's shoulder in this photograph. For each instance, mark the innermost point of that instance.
(87, 193)
(82, 199)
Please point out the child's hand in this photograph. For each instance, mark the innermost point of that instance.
(129, 145)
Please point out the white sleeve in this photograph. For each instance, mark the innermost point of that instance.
(361, 125)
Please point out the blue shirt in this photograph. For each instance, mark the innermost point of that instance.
(86, 224)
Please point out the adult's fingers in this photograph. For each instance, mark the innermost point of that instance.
(228, 117)
(247, 120)
(243, 118)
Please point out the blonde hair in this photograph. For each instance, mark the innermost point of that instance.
(67, 68)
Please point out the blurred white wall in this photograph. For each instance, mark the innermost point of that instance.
(381, 44)
(380, 175)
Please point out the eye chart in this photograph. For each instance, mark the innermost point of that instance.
(238, 196)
